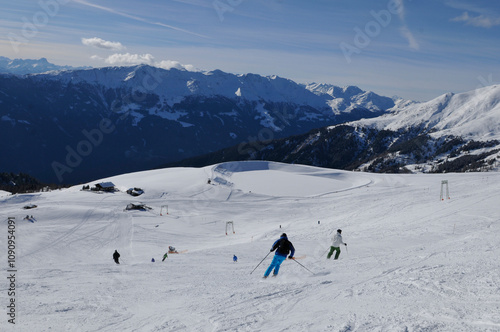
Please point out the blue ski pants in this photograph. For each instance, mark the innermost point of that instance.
(275, 264)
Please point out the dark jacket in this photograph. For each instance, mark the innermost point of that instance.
(116, 255)
(283, 247)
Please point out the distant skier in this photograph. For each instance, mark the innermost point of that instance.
(172, 250)
(235, 259)
(336, 242)
(116, 256)
(165, 256)
(282, 247)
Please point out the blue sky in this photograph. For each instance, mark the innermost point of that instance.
(417, 49)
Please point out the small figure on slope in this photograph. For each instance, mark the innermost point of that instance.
(235, 259)
(152, 260)
(336, 242)
(116, 256)
(165, 256)
(282, 247)
(172, 250)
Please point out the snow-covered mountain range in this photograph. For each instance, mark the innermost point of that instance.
(71, 125)
(153, 116)
(175, 84)
(350, 97)
(453, 132)
(27, 66)
(470, 115)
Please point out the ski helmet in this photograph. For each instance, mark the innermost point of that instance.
(283, 235)
(339, 231)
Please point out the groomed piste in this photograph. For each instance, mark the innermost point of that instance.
(413, 262)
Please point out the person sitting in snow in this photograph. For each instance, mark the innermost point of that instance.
(336, 242)
(172, 250)
(282, 247)
(116, 256)
(235, 259)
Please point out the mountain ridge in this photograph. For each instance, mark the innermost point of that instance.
(453, 132)
(155, 115)
(177, 83)
(164, 116)
(30, 66)
(472, 114)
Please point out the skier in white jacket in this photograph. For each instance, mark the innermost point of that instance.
(336, 242)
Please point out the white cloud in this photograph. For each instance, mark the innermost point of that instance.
(401, 9)
(412, 42)
(118, 59)
(405, 31)
(97, 58)
(127, 59)
(468, 6)
(101, 43)
(481, 21)
(136, 18)
(168, 64)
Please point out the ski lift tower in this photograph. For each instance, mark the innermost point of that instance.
(444, 184)
(229, 223)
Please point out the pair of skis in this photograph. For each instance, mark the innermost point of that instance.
(294, 259)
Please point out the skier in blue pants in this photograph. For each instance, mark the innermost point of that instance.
(282, 247)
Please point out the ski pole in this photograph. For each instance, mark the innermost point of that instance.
(325, 252)
(303, 266)
(260, 262)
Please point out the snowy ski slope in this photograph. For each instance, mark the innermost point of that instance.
(414, 262)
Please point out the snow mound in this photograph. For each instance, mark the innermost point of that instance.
(277, 179)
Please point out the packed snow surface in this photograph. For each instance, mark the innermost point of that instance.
(413, 262)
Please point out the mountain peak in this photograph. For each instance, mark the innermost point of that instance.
(30, 66)
(351, 90)
(472, 114)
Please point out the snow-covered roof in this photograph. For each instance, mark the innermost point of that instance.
(106, 185)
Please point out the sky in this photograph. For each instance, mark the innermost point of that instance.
(413, 49)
